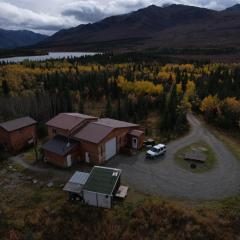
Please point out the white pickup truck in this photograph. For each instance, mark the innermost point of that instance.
(156, 151)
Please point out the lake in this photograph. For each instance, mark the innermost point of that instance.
(51, 55)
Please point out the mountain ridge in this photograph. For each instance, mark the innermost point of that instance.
(10, 39)
(174, 26)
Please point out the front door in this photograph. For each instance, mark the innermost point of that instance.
(69, 160)
(87, 159)
(134, 143)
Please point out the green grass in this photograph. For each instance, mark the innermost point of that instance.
(201, 167)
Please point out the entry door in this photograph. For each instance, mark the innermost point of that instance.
(134, 143)
(110, 148)
(87, 159)
(69, 160)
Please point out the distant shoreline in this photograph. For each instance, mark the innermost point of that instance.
(7, 53)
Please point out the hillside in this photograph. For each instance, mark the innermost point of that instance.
(12, 39)
(174, 26)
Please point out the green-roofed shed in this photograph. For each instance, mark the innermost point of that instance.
(101, 186)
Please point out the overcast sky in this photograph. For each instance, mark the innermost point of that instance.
(48, 16)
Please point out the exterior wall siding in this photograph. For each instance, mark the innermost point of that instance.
(61, 161)
(97, 151)
(18, 139)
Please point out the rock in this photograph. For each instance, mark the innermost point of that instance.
(35, 181)
(50, 184)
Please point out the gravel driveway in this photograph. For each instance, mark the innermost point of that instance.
(163, 177)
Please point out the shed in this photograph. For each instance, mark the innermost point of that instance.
(135, 139)
(101, 186)
(76, 183)
(17, 134)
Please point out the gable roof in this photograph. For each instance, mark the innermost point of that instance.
(115, 123)
(18, 123)
(93, 132)
(97, 131)
(59, 145)
(68, 121)
(102, 180)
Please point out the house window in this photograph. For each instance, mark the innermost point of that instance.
(54, 131)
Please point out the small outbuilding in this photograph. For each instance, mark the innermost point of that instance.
(17, 134)
(101, 186)
(135, 139)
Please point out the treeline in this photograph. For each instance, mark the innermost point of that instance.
(127, 91)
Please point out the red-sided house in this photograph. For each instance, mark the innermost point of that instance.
(17, 134)
(66, 124)
(103, 139)
(95, 140)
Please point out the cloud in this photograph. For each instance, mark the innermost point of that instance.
(13, 17)
(52, 15)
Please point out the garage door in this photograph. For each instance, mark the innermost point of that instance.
(110, 148)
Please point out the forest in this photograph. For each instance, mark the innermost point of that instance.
(123, 87)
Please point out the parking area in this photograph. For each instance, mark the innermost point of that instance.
(162, 176)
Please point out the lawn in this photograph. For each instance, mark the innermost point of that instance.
(210, 163)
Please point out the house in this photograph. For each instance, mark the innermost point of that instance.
(77, 137)
(61, 151)
(17, 134)
(101, 186)
(66, 123)
(103, 139)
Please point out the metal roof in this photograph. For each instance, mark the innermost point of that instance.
(102, 180)
(93, 132)
(76, 182)
(136, 133)
(68, 121)
(115, 123)
(97, 131)
(60, 145)
(79, 178)
(18, 123)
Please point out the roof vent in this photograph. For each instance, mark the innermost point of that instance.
(115, 174)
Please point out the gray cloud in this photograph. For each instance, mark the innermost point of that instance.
(51, 15)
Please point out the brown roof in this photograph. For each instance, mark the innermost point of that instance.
(68, 121)
(115, 123)
(137, 133)
(18, 123)
(93, 132)
(97, 131)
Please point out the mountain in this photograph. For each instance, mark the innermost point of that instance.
(235, 8)
(10, 39)
(174, 26)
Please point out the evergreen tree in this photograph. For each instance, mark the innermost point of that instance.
(5, 88)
